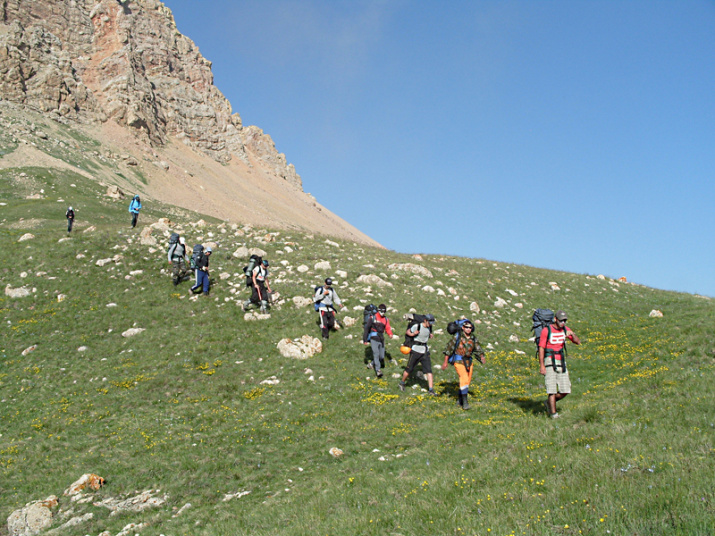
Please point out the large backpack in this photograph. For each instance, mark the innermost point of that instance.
(542, 318)
(455, 328)
(196, 256)
(369, 311)
(412, 320)
(253, 261)
(173, 240)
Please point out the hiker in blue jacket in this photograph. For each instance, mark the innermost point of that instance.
(134, 207)
(202, 273)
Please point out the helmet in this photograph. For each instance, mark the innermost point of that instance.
(405, 349)
(328, 281)
(208, 249)
(265, 263)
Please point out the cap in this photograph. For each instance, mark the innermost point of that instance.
(382, 308)
(265, 263)
(429, 318)
(561, 315)
(328, 281)
(208, 249)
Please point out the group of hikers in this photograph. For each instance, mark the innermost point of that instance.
(462, 349)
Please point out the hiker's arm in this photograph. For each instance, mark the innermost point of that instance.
(446, 362)
(542, 367)
(573, 337)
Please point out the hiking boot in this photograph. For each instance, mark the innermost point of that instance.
(465, 404)
(402, 386)
(555, 415)
(431, 392)
(459, 399)
(370, 365)
(379, 374)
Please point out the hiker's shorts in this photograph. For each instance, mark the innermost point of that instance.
(556, 382)
(419, 358)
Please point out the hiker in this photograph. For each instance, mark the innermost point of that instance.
(373, 334)
(70, 219)
(134, 207)
(202, 273)
(460, 351)
(325, 297)
(259, 284)
(419, 353)
(552, 360)
(177, 257)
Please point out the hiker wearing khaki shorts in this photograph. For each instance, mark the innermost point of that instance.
(552, 360)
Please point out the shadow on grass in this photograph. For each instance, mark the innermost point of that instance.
(528, 405)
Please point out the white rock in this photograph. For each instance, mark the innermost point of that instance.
(111, 305)
(20, 292)
(601, 276)
(29, 349)
(82, 349)
(331, 243)
(349, 321)
(271, 381)
(500, 302)
(26, 236)
(512, 292)
(412, 268)
(322, 265)
(224, 275)
(519, 305)
(103, 262)
(89, 229)
(302, 348)
(440, 292)
(252, 316)
(655, 314)
(372, 279)
(335, 452)
(513, 338)
(227, 497)
(300, 301)
(427, 288)
(303, 268)
(136, 272)
(474, 307)
(131, 332)
(32, 518)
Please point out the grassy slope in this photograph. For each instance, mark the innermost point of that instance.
(180, 407)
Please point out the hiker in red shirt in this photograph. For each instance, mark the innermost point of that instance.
(552, 360)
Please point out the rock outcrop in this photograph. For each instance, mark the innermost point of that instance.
(96, 61)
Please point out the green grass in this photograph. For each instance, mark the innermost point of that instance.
(181, 407)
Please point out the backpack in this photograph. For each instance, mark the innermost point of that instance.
(369, 311)
(196, 256)
(253, 261)
(412, 320)
(174, 238)
(455, 328)
(542, 318)
(317, 304)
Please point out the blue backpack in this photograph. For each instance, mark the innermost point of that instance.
(455, 327)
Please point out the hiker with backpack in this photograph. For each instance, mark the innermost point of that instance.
(177, 257)
(260, 286)
(460, 352)
(324, 299)
(376, 325)
(417, 336)
(70, 219)
(201, 264)
(134, 207)
(551, 341)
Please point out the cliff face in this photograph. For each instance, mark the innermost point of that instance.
(111, 61)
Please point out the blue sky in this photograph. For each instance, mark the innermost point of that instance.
(572, 135)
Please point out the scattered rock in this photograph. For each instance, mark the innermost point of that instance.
(138, 503)
(373, 279)
(271, 381)
(655, 313)
(500, 302)
(90, 229)
(29, 349)
(335, 452)
(249, 317)
(411, 268)
(227, 497)
(182, 509)
(131, 530)
(114, 192)
(20, 292)
(303, 268)
(131, 332)
(322, 265)
(32, 518)
(349, 322)
(300, 301)
(145, 238)
(26, 236)
(513, 338)
(474, 307)
(302, 348)
(86, 481)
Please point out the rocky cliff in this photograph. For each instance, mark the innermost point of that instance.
(95, 62)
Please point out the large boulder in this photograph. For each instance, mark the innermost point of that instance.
(32, 518)
(302, 348)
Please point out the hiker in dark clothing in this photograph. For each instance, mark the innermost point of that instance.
(202, 273)
(134, 207)
(373, 334)
(70, 219)
(177, 257)
(325, 297)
